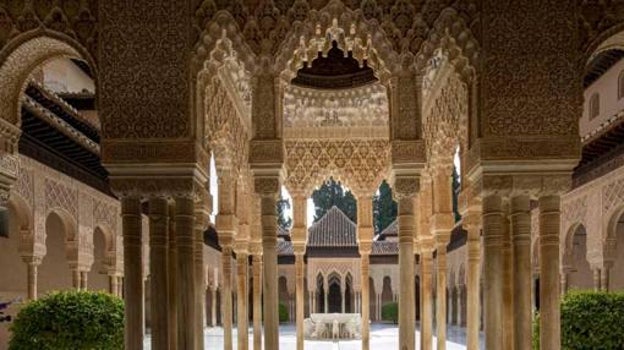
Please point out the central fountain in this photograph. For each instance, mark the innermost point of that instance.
(332, 326)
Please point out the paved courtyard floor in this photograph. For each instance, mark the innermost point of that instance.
(382, 337)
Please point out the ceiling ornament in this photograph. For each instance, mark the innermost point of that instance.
(358, 113)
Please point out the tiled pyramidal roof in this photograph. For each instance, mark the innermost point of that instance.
(334, 229)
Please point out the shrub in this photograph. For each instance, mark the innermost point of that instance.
(390, 312)
(70, 320)
(283, 313)
(590, 320)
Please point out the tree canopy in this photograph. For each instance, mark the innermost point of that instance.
(283, 220)
(332, 193)
(384, 208)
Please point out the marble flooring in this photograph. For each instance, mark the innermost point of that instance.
(382, 337)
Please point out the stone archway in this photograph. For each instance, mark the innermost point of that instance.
(98, 274)
(55, 272)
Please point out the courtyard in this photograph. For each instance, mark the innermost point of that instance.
(382, 336)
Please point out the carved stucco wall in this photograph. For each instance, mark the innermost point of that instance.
(44, 190)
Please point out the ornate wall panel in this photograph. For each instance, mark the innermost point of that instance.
(360, 164)
(144, 78)
(530, 81)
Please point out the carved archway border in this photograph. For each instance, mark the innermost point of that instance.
(367, 34)
(18, 59)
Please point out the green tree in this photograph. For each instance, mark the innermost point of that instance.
(282, 220)
(456, 187)
(332, 193)
(384, 207)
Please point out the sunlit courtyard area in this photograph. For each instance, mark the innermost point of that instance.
(323, 174)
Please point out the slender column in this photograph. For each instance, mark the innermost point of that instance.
(184, 218)
(268, 188)
(550, 321)
(493, 231)
(257, 298)
(521, 236)
(405, 193)
(325, 295)
(596, 277)
(365, 239)
(133, 272)
(342, 293)
(508, 298)
(441, 311)
(213, 303)
(604, 278)
(426, 311)
(299, 310)
(113, 287)
(84, 280)
(172, 291)
(158, 228)
(32, 266)
(365, 300)
(201, 223)
(242, 300)
(299, 239)
(226, 295)
(564, 280)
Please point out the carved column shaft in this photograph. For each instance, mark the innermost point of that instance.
(299, 275)
(407, 228)
(133, 272)
(426, 309)
(172, 263)
(226, 295)
(365, 237)
(184, 219)
(493, 231)
(158, 242)
(473, 310)
(257, 300)
(270, 280)
(32, 265)
(550, 321)
(521, 236)
(242, 300)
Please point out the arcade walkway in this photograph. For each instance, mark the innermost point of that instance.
(382, 337)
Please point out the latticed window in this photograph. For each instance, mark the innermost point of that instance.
(594, 106)
(621, 85)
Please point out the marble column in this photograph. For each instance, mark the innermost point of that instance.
(426, 300)
(596, 278)
(299, 286)
(184, 221)
(342, 294)
(508, 298)
(213, 304)
(365, 329)
(120, 285)
(365, 232)
(172, 289)
(226, 294)
(158, 243)
(564, 280)
(441, 299)
(242, 263)
(32, 265)
(405, 192)
(268, 188)
(257, 297)
(493, 232)
(133, 272)
(201, 224)
(604, 278)
(521, 237)
(550, 321)
(325, 295)
(299, 238)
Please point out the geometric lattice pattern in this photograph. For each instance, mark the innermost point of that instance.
(359, 164)
(59, 196)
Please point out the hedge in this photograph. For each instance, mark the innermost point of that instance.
(283, 313)
(390, 312)
(590, 320)
(77, 320)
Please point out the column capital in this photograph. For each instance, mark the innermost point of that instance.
(267, 186)
(405, 186)
(158, 184)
